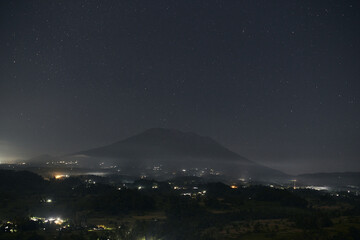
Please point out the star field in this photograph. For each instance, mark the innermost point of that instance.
(276, 81)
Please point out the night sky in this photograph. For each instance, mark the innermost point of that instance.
(275, 81)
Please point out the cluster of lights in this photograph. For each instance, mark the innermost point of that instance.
(155, 186)
(10, 227)
(156, 168)
(90, 181)
(100, 228)
(193, 194)
(47, 200)
(318, 188)
(63, 163)
(199, 172)
(186, 194)
(57, 220)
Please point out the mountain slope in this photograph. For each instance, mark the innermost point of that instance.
(176, 149)
(159, 142)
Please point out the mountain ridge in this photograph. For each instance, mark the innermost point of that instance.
(172, 139)
(177, 149)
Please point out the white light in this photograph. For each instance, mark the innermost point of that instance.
(58, 221)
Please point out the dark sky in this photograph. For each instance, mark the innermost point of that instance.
(276, 81)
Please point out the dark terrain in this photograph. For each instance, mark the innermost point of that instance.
(91, 207)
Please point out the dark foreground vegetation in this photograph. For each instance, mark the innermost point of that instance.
(90, 207)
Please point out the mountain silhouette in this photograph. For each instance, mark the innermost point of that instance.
(176, 149)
